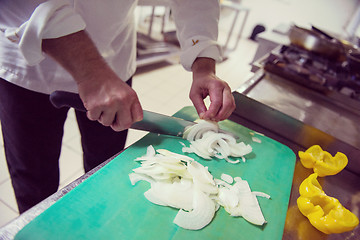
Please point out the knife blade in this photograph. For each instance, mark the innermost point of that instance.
(152, 122)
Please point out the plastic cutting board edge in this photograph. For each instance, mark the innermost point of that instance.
(107, 206)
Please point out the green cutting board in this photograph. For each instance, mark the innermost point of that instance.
(107, 206)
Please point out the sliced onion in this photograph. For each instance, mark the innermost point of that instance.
(152, 197)
(134, 178)
(255, 139)
(237, 179)
(227, 198)
(248, 204)
(200, 216)
(181, 182)
(205, 187)
(221, 183)
(261, 194)
(200, 173)
(196, 131)
(232, 161)
(227, 178)
(150, 151)
(177, 194)
(168, 153)
(206, 142)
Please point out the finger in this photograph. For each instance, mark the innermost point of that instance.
(94, 114)
(137, 112)
(125, 120)
(122, 121)
(216, 99)
(198, 101)
(107, 117)
(227, 107)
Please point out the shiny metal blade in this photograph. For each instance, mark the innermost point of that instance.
(162, 124)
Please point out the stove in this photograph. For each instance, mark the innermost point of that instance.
(333, 79)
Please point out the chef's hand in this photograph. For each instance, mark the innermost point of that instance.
(110, 101)
(206, 83)
(106, 97)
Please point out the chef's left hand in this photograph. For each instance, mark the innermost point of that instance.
(206, 83)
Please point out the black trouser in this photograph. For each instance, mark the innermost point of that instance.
(32, 131)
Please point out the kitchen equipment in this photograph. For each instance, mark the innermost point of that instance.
(316, 42)
(347, 46)
(107, 206)
(332, 79)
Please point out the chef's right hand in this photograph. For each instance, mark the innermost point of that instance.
(106, 97)
(110, 101)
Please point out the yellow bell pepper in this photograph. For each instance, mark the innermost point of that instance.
(324, 212)
(322, 162)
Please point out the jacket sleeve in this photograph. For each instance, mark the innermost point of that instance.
(51, 19)
(197, 29)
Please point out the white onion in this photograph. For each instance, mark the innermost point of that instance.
(180, 182)
(206, 141)
(261, 194)
(200, 216)
(150, 151)
(200, 173)
(255, 139)
(196, 131)
(151, 197)
(134, 178)
(227, 198)
(249, 205)
(227, 178)
(177, 194)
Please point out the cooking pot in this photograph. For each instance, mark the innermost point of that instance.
(316, 42)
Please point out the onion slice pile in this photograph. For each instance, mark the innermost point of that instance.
(180, 182)
(207, 142)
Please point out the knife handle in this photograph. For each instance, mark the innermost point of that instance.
(61, 99)
(152, 122)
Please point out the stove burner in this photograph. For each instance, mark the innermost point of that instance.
(314, 71)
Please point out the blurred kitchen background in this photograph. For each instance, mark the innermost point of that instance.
(249, 30)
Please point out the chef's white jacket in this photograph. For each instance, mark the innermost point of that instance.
(110, 24)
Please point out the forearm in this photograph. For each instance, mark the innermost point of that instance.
(78, 55)
(106, 97)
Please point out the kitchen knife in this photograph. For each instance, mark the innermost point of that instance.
(152, 122)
